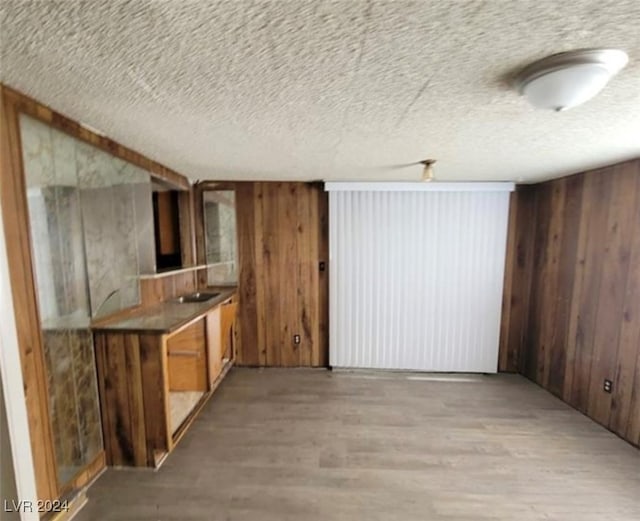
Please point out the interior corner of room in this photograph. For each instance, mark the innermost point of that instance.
(265, 345)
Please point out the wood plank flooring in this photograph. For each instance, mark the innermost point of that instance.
(306, 445)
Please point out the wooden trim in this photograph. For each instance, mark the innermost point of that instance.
(199, 227)
(18, 239)
(503, 353)
(171, 273)
(12, 384)
(76, 503)
(187, 227)
(101, 350)
(86, 475)
(227, 320)
(198, 209)
(214, 348)
(216, 185)
(321, 359)
(198, 190)
(22, 103)
(156, 399)
(348, 186)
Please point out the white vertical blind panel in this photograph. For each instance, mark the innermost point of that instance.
(416, 279)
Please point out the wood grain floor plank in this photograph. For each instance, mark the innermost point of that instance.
(292, 444)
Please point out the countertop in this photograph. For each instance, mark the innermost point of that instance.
(167, 316)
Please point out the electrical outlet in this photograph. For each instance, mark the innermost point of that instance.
(296, 339)
(607, 386)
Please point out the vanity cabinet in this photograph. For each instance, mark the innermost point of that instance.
(154, 378)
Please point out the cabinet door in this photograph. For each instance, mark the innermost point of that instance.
(214, 348)
(226, 323)
(188, 359)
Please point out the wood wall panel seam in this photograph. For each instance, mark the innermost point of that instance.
(101, 366)
(154, 385)
(322, 239)
(136, 401)
(187, 227)
(569, 248)
(503, 358)
(257, 261)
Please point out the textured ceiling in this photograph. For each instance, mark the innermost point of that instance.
(336, 90)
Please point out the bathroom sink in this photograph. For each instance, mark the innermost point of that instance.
(196, 297)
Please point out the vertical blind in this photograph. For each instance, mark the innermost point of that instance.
(416, 278)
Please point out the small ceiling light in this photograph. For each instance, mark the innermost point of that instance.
(566, 80)
(427, 173)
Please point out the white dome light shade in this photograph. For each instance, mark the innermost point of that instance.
(566, 88)
(566, 80)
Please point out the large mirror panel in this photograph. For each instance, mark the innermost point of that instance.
(91, 229)
(219, 213)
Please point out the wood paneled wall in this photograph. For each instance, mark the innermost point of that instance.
(156, 290)
(282, 238)
(571, 313)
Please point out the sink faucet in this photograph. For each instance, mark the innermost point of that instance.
(102, 305)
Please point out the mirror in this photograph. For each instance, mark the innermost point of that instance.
(219, 214)
(91, 225)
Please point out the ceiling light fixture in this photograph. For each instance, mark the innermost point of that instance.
(427, 173)
(566, 80)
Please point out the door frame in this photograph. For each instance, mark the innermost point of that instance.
(13, 391)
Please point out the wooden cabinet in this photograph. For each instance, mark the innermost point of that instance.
(144, 376)
(133, 384)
